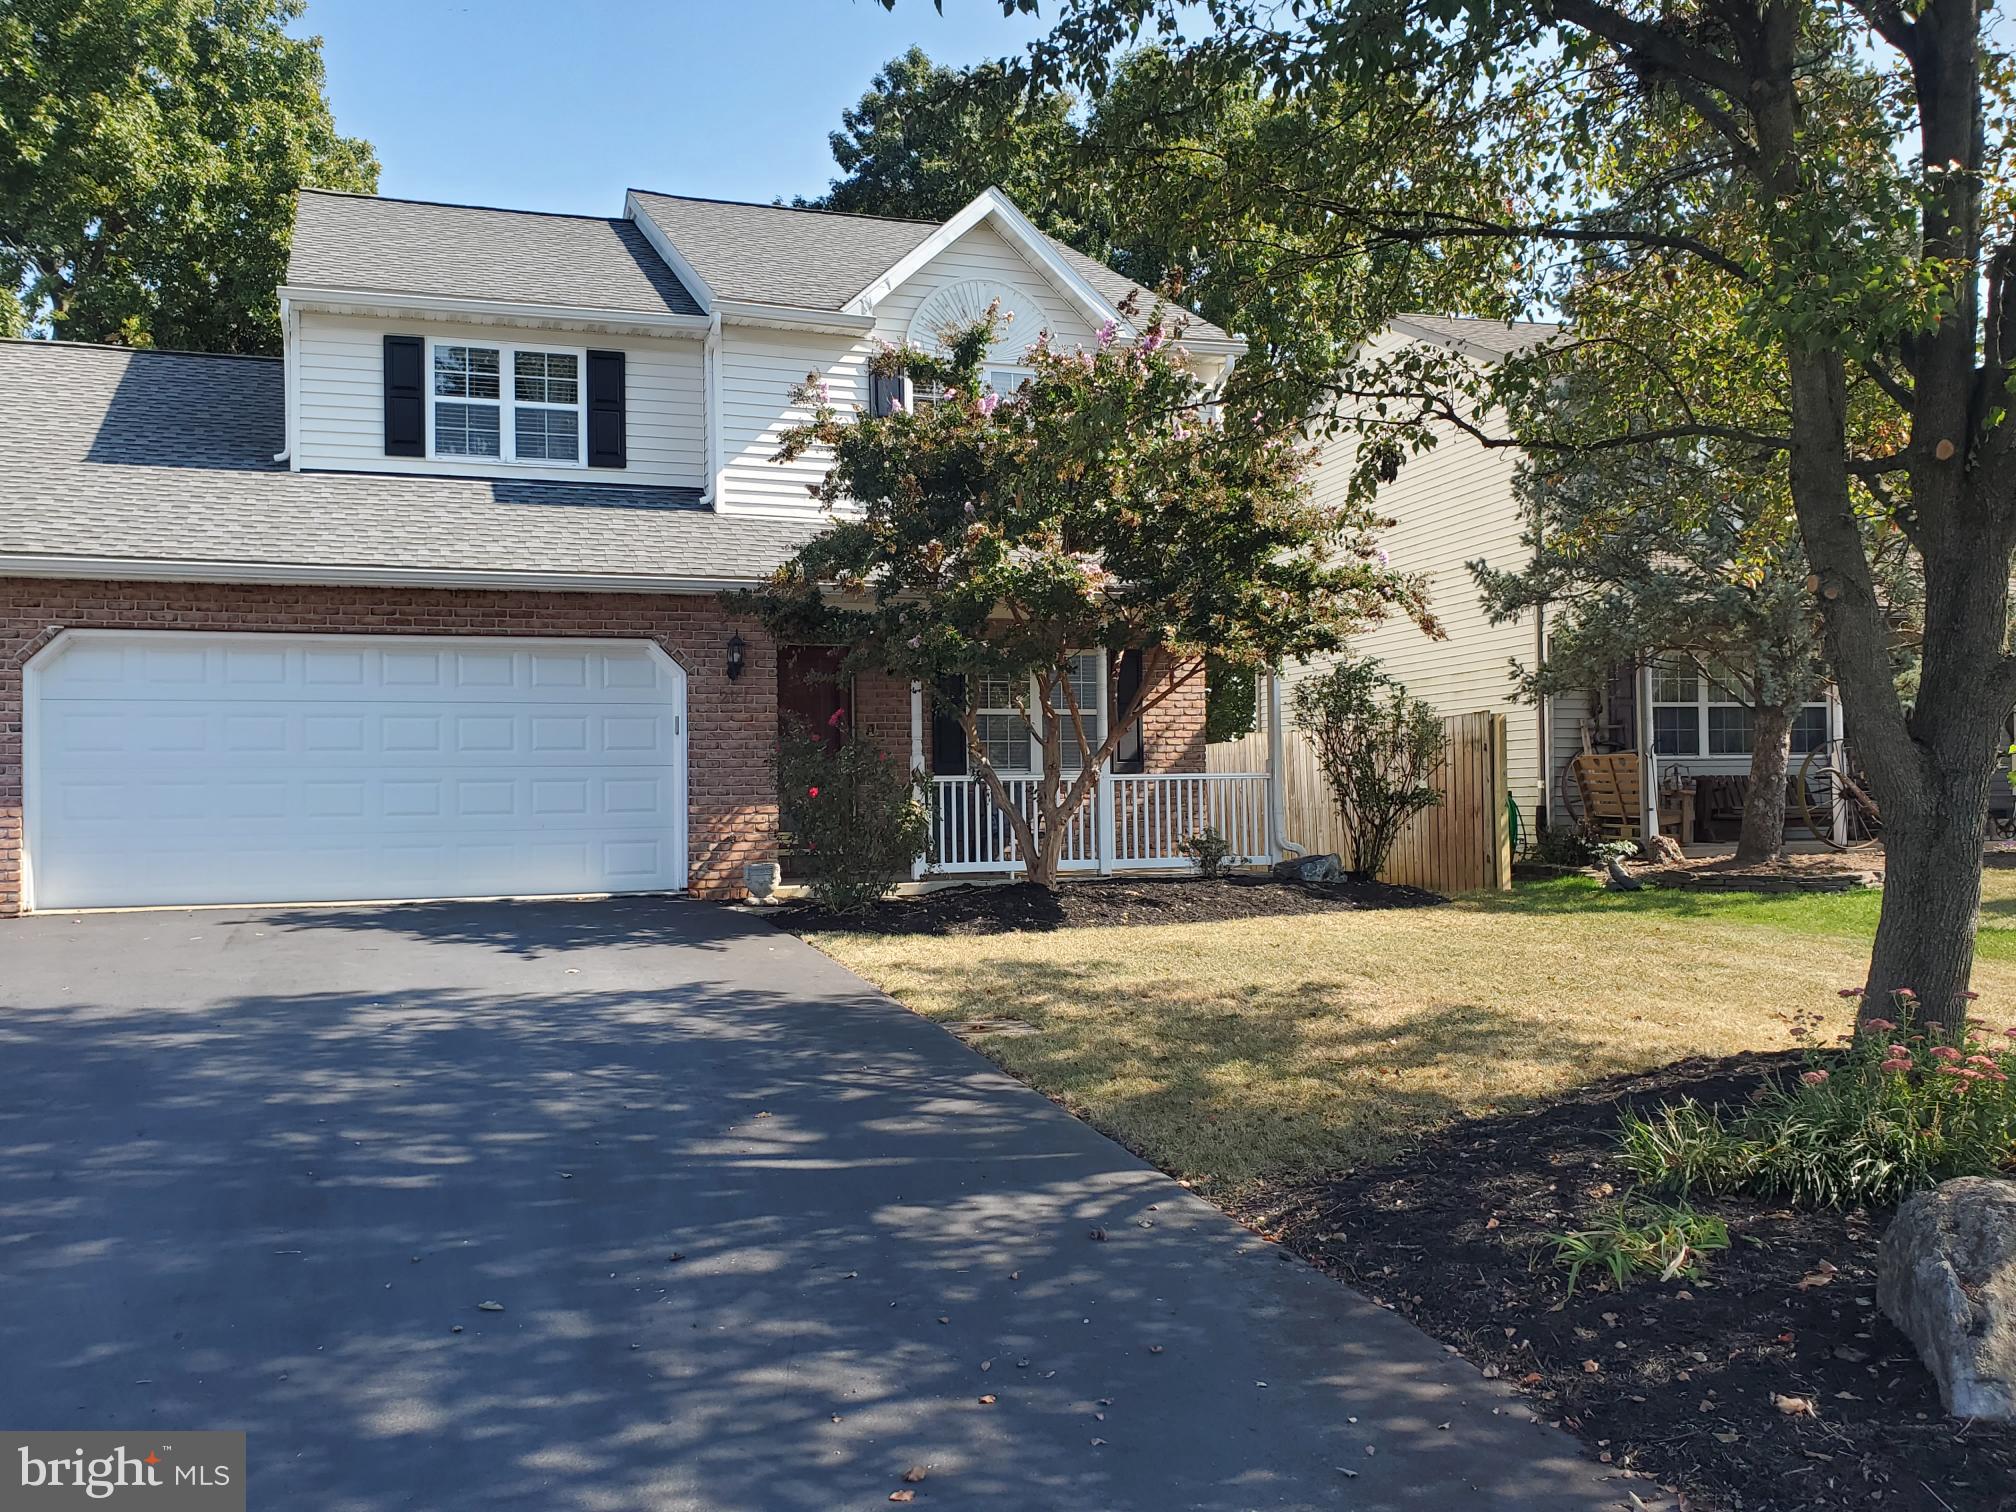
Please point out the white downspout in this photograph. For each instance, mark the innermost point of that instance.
(1277, 789)
(917, 866)
(290, 379)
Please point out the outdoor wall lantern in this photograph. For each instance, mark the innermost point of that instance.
(735, 649)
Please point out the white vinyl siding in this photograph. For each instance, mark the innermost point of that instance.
(760, 367)
(342, 401)
(1454, 504)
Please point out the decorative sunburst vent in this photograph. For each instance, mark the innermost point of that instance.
(960, 304)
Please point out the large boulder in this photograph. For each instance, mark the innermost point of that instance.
(1947, 1277)
(1309, 869)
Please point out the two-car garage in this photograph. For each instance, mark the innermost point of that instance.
(169, 767)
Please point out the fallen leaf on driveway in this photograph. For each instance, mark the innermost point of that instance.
(489, 1307)
(903, 1496)
(915, 1474)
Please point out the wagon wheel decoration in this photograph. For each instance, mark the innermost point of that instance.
(1830, 773)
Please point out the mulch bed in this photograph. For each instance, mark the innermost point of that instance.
(1680, 1399)
(1086, 904)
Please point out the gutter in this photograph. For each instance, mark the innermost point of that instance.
(154, 569)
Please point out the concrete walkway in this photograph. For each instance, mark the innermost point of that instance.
(762, 1239)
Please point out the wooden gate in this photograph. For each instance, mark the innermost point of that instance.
(1463, 844)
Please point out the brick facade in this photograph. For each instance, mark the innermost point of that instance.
(731, 726)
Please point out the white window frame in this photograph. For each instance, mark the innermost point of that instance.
(913, 396)
(1689, 667)
(507, 402)
(1034, 757)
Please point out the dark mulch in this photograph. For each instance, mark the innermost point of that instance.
(1453, 1235)
(1079, 904)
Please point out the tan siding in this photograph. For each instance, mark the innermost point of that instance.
(1453, 505)
(343, 412)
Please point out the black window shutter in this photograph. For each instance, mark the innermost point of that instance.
(1132, 753)
(405, 396)
(883, 392)
(948, 737)
(606, 426)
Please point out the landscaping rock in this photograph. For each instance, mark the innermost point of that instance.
(1947, 1278)
(1310, 868)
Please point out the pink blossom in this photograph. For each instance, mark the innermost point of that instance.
(1153, 339)
(1970, 996)
(1107, 332)
(1896, 1050)
(1815, 1078)
(1947, 1070)
(1881, 1026)
(811, 792)
(833, 719)
(1381, 556)
(1906, 994)
(1896, 1065)
(914, 642)
(988, 402)
(2010, 1031)
(1971, 1075)
(1945, 1053)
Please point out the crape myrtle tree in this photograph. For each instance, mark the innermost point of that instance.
(1110, 502)
(1837, 171)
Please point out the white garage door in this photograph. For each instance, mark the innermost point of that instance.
(173, 768)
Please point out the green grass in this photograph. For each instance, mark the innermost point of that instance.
(1839, 915)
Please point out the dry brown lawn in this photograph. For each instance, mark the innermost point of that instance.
(1232, 1053)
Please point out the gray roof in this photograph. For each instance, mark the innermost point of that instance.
(1479, 336)
(166, 457)
(821, 259)
(358, 241)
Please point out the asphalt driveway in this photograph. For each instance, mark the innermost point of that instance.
(762, 1240)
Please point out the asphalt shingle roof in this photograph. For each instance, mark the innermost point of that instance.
(820, 259)
(1493, 338)
(167, 457)
(358, 241)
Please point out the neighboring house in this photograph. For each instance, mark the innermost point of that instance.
(429, 606)
(1456, 504)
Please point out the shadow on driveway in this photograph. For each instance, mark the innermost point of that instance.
(257, 1168)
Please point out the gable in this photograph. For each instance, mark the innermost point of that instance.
(959, 282)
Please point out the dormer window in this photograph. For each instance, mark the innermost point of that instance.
(467, 411)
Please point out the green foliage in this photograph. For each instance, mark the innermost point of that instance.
(1232, 700)
(855, 816)
(1105, 504)
(1901, 1108)
(149, 155)
(1208, 849)
(1377, 746)
(924, 139)
(1642, 1238)
(1566, 847)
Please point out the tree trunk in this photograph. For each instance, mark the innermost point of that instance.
(1931, 901)
(1762, 837)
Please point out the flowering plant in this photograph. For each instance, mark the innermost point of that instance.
(1903, 1104)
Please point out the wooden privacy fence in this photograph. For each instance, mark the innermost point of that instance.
(1463, 844)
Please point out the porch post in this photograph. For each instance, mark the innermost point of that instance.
(1837, 739)
(917, 867)
(1648, 761)
(1277, 791)
(1102, 808)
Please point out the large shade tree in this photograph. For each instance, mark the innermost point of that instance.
(1838, 171)
(149, 155)
(1109, 503)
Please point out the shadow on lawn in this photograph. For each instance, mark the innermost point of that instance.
(1247, 1083)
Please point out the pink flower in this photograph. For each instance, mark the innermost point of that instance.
(811, 792)
(989, 401)
(1947, 1070)
(1970, 996)
(1881, 1026)
(1153, 339)
(2010, 1031)
(833, 719)
(1815, 1078)
(1971, 1075)
(1945, 1053)
(1981, 1060)
(1906, 994)
(1107, 332)
(1896, 1050)
(1896, 1065)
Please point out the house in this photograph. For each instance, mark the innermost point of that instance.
(429, 606)
(1456, 504)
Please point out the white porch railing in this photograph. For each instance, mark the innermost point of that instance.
(1128, 823)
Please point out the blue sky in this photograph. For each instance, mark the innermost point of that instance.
(563, 107)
